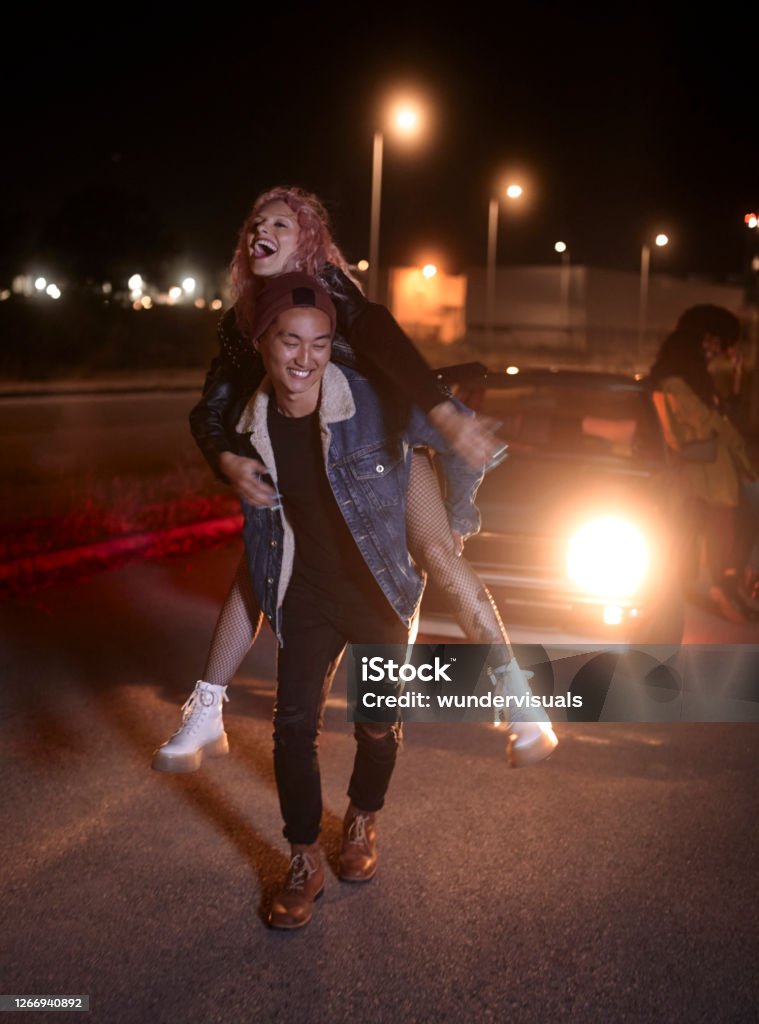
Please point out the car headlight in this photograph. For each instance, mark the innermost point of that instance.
(608, 556)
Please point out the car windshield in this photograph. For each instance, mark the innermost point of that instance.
(569, 419)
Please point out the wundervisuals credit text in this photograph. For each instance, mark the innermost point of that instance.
(614, 683)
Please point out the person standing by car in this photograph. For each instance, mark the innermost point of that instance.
(718, 331)
(713, 460)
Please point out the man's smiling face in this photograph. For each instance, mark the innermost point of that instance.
(295, 350)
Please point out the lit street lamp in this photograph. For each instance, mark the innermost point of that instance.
(645, 264)
(404, 121)
(562, 249)
(513, 191)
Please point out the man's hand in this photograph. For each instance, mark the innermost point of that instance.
(244, 476)
(471, 437)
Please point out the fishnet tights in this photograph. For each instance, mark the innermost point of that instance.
(236, 629)
(431, 547)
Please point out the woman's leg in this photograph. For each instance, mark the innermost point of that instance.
(236, 629)
(202, 731)
(432, 548)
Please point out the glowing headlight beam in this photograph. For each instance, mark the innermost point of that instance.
(608, 556)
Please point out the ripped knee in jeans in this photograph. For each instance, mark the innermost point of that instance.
(293, 727)
(390, 734)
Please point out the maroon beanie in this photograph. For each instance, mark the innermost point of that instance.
(286, 292)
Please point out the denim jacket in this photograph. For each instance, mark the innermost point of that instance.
(367, 461)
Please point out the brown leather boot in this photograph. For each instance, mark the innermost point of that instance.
(293, 906)
(358, 857)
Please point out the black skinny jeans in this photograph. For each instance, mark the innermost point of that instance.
(315, 632)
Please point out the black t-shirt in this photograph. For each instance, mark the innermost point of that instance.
(326, 556)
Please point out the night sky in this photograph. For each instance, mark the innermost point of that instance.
(626, 123)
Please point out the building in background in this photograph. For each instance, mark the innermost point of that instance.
(567, 315)
(428, 304)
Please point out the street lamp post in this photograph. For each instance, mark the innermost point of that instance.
(562, 249)
(645, 266)
(512, 192)
(490, 271)
(374, 224)
(406, 121)
(751, 220)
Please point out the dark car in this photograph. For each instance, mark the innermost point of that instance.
(579, 523)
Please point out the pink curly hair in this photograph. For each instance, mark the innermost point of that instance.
(316, 247)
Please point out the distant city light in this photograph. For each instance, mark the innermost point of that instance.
(5, 294)
(53, 291)
(137, 305)
(512, 370)
(429, 270)
(560, 247)
(175, 293)
(362, 265)
(216, 304)
(199, 303)
(135, 283)
(146, 302)
(514, 191)
(751, 220)
(188, 285)
(107, 287)
(40, 284)
(661, 240)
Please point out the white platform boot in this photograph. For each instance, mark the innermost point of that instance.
(201, 733)
(531, 736)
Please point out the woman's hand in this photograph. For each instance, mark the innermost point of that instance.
(471, 437)
(244, 476)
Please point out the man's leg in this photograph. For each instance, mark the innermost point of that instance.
(309, 656)
(377, 745)
(308, 659)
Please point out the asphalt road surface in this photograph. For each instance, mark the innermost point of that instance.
(615, 882)
(58, 450)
